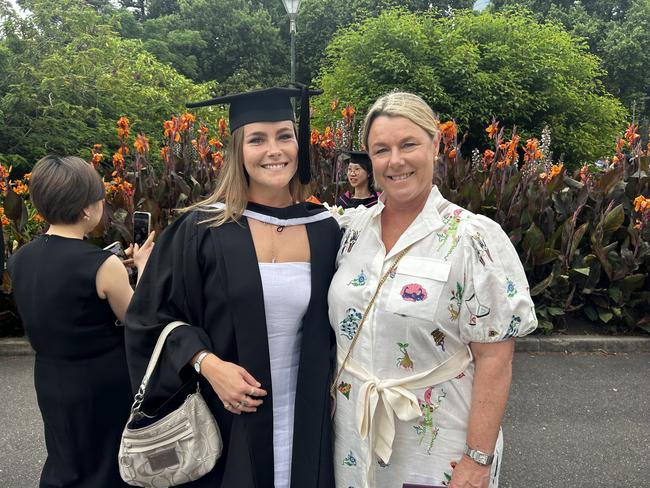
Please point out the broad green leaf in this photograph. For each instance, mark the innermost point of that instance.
(632, 282)
(605, 315)
(534, 241)
(614, 219)
(542, 285)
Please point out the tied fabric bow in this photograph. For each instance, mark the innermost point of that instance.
(381, 400)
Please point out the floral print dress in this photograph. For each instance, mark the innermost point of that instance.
(460, 282)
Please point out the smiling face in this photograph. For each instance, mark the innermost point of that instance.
(270, 151)
(357, 176)
(402, 154)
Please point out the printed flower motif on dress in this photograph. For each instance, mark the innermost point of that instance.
(460, 376)
(414, 292)
(457, 300)
(447, 479)
(513, 327)
(360, 280)
(382, 464)
(350, 323)
(350, 240)
(476, 309)
(450, 231)
(404, 361)
(493, 332)
(425, 426)
(481, 248)
(345, 388)
(350, 460)
(511, 290)
(439, 338)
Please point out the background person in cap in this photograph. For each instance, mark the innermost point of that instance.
(249, 269)
(360, 178)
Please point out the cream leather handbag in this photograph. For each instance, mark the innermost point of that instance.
(180, 447)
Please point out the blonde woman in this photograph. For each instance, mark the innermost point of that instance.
(421, 397)
(249, 269)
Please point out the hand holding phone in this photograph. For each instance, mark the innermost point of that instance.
(141, 227)
(117, 249)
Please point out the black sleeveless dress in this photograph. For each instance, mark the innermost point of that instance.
(80, 373)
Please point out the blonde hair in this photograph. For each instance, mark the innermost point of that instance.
(402, 104)
(232, 186)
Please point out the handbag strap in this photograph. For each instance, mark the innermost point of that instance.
(153, 361)
(383, 279)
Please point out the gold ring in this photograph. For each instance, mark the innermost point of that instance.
(237, 405)
(252, 392)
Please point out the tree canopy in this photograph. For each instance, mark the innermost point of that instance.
(72, 77)
(616, 31)
(473, 67)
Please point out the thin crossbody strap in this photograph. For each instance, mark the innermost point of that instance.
(365, 315)
(155, 355)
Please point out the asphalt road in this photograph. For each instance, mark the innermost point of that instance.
(577, 420)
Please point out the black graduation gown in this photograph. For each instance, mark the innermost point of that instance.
(209, 277)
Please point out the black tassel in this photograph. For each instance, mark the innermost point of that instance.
(304, 133)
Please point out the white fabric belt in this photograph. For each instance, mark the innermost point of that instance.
(381, 400)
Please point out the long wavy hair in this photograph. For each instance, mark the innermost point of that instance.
(232, 186)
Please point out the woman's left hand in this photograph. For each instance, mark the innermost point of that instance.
(468, 474)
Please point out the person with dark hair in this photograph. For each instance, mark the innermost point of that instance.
(248, 269)
(70, 294)
(361, 180)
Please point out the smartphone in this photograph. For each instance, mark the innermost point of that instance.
(141, 227)
(117, 249)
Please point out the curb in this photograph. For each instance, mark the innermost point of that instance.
(18, 346)
(583, 343)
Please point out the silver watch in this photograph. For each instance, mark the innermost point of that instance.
(197, 363)
(478, 456)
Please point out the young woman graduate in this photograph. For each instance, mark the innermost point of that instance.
(249, 269)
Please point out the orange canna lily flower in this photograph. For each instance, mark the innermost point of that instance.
(348, 114)
(492, 129)
(141, 144)
(641, 204)
(215, 143)
(631, 133)
(223, 128)
(334, 104)
(217, 159)
(315, 135)
(452, 153)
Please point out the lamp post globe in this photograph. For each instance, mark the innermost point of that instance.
(291, 6)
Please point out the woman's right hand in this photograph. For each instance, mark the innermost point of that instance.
(236, 388)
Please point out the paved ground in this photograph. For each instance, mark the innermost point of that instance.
(573, 420)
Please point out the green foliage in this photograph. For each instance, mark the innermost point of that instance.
(472, 67)
(72, 77)
(318, 20)
(235, 43)
(616, 31)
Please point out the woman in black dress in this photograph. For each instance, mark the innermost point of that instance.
(69, 295)
(361, 180)
(249, 270)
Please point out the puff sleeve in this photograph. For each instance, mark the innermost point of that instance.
(496, 298)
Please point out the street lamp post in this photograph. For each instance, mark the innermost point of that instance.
(291, 6)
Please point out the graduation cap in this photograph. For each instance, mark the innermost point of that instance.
(271, 105)
(359, 157)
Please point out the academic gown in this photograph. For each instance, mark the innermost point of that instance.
(209, 277)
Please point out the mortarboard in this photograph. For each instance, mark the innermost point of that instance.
(271, 105)
(358, 157)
